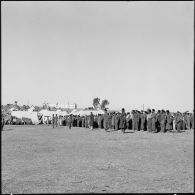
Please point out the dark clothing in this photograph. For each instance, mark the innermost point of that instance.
(149, 122)
(128, 118)
(117, 122)
(2, 123)
(192, 121)
(122, 122)
(91, 120)
(53, 121)
(178, 122)
(168, 122)
(158, 120)
(143, 120)
(105, 121)
(113, 121)
(110, 122)
(153, 116)
(163, 122)
(70, 120)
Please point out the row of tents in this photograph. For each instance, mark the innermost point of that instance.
(43, 115)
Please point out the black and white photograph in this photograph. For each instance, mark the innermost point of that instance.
(97, 97)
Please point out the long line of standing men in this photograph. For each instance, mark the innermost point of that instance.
(150, 120)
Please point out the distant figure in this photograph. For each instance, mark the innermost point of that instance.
(56, 120)
(117, 118)
(153, 116)
(162, 121)
(122, 122)
(53, 120)
(70, 121)
(113, 120)
(91, 121)
(149, 121)
(2, 122)
(192, 120)
(178, 121)
(106, 120)
(169, 121)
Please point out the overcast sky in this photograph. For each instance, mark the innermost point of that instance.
(131, 53)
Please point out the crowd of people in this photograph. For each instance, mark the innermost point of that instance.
(150, 120)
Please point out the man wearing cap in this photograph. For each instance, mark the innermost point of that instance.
(192, 120)
(142, 120)
(168, 121)
(178, 121)
(158, 116)
(70, 121)
(113, 120)
(153, 116)
(91, 121)
(53, 120)
(187, 120)
(162, 121)
(105, 118)
(122, 121)
(2, 122)
(109, 120)
(133, 119)
(128, 117)
(56, 120)
(149, 121)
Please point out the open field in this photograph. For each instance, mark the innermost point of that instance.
(40, 159)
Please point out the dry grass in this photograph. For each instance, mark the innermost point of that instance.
(39, 159)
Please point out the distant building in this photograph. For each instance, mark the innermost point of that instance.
(63, 106)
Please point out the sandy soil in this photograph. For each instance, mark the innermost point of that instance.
(40, 159)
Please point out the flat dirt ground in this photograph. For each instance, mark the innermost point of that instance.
(40, 159)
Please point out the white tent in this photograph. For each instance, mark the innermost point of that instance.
(31, 115)
(87, 112)
(48, 114)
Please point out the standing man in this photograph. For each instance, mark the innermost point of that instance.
(149, 121)
(188, 120)
(99, 121)
(153, 116)
(158, 120)
(178, 121)
(163, 121)
(106, 120)
(53, 120)
(143, 120)
(2, 122)
(91, 121)
(192, 120)
(56, 120)
(169, 121)
(117, 121)
(122, 123)
(70, 121)
(113, 120)
(110, 121)
(128, 117)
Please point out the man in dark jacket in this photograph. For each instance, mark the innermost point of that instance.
(158, 121)
(91, 121)
(70, 121)
(122, 123)
(168, 121)
(149, 121)
(153, 121)
(163, 121)
(117, 118)
(2, 122)
(53, 120)
(105, 118)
